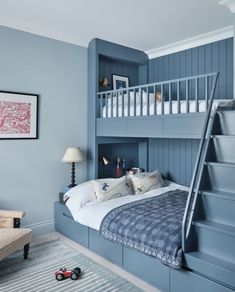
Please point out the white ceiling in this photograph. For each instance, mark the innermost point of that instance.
(142, 24)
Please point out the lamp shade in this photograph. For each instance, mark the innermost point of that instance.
(73, 154)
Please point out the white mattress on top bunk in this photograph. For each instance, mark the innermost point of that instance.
(183, 108)
(92, 213)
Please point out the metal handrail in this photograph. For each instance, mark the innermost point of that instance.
(198, 169)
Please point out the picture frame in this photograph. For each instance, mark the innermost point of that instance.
(18, 115)
(120, 82)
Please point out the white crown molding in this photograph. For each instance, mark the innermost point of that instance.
(229, 3)
(193, 42)
(44, 33)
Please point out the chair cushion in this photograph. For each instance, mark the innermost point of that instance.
(13, 239)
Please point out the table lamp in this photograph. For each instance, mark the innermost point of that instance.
(73, 155)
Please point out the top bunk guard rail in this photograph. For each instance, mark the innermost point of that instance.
(198, 169)
(182, 95)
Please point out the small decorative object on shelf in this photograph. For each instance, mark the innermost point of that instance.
(118, 169)
(123, 166)
(72, 155)
(104, 82)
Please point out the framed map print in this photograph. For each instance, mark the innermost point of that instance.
(18, 115)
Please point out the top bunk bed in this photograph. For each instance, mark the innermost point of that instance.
(172, 108)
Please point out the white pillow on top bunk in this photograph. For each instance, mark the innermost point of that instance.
(145, 181)
(109, 188)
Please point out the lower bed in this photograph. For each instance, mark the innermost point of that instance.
(144, 266)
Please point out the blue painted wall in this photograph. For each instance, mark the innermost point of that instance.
(213, 57)
(31, 172)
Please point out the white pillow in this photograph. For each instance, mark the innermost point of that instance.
(79, 196)
(109, 188)
(143, 182)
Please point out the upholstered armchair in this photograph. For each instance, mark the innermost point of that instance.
(12, 237)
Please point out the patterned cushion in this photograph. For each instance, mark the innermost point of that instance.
(106, 189)
(143, 182)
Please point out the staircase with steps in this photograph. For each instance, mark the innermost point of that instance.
(209, 247)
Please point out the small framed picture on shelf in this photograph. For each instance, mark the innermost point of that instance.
(120, 82)
(18, 115)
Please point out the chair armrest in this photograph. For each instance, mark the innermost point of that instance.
(11, 214)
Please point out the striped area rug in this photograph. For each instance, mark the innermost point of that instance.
(37, 273)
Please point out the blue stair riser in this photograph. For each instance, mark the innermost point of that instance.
(212, 269)
(227, 122)
(221, 177)
(215, 243)
(218, 209)
(224, 148)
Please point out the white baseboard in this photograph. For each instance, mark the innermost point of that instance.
(42, 227)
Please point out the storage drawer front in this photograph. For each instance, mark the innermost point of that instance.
(67, 226)
(105, 248)
(148, 268)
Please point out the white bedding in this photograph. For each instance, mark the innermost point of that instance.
(183, 107)
(93, 213)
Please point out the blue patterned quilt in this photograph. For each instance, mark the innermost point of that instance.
(152, 226)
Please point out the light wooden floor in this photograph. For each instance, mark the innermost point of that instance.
(56, 235)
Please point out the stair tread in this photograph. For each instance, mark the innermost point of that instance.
(222, 228)
(211, 260)
(219, 194)
(223, 136)
(225, 164)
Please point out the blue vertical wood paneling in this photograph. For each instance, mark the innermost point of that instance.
(229, 67)
(217, 56)
(175, 158)
(129, 151)
(108, 66)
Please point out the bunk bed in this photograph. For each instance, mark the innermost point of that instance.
(129, 119)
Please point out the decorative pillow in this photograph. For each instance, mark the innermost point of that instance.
(106, 189)
(79, 196)
(143, 182)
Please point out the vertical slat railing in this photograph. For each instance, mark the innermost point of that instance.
(170, 100)
(162, 100)
(141, 101)
(206, 92)
(187, 96)
(101, 105)
(118, 103)
(178, 97)
(106, 105)
(155, 101)
(198, 169)
(134, 103)
(111, 104)
(147, 109)
(122, 110)
(196, 95)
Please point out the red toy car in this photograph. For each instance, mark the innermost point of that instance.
(63, 273)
